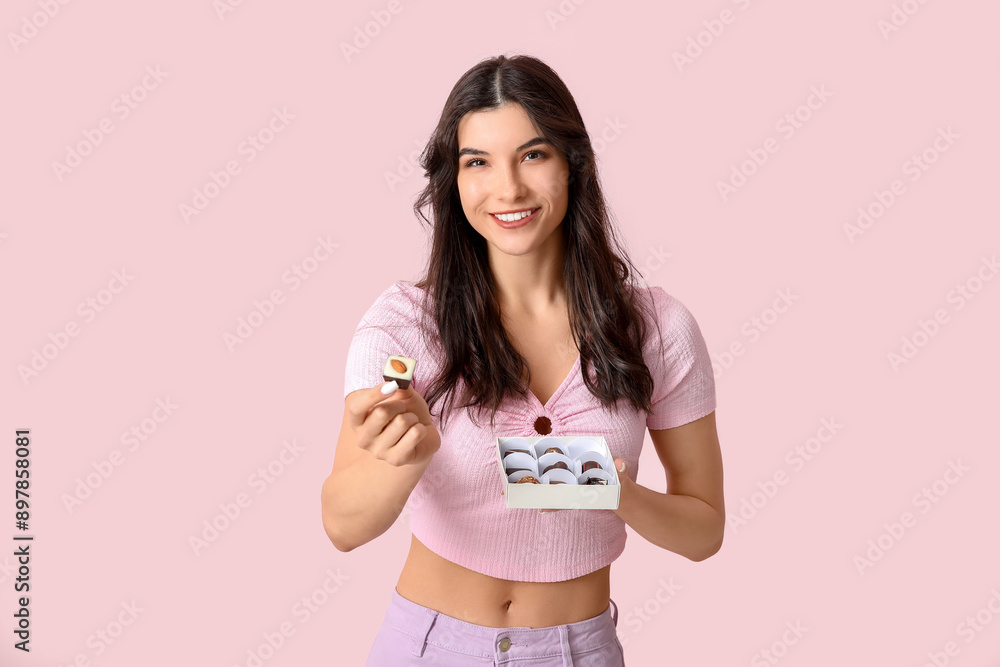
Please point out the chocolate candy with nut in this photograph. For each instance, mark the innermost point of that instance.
(399, 369)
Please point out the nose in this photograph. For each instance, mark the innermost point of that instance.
(510, 185)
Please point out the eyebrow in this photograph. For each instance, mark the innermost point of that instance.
(527, 144)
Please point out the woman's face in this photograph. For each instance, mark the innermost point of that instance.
(501, 168)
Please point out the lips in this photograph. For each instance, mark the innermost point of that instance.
(516, 223)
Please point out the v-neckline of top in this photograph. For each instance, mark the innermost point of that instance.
(559, 390)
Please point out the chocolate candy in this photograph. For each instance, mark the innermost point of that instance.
(399, 369)
(528, 479)
(511, 471)
(553, 449)
(557, 464)
(519, 451)
(596, 480)
(590, 465)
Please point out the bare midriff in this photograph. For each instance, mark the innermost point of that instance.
(439, 584)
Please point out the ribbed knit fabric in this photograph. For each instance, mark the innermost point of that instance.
(457, 509)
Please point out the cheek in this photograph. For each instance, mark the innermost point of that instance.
(469, 191)
(557, 187)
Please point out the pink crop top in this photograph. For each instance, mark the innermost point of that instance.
(457, 509)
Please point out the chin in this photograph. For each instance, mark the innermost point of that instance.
(515, 250)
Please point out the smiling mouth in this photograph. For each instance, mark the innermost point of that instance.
(518, 219)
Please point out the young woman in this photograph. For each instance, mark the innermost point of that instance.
(522, 326)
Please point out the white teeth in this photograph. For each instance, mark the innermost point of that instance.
(511, 217)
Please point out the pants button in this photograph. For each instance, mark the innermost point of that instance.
(505, 644)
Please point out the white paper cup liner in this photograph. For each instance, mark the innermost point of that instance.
(559, 475)
(517, 460)
(580, 446)
(516, 443)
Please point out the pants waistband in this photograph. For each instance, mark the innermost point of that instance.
(427, 626)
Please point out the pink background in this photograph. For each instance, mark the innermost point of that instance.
(670, 134)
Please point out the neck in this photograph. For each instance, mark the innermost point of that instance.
(530, 283)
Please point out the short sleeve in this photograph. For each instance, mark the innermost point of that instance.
(388, 327)
(684, 383)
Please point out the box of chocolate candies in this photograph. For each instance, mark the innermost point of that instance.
(566, 472)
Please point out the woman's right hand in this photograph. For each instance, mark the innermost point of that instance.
(396, 428)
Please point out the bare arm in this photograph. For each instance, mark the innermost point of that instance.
(385, 444)
(689, 519)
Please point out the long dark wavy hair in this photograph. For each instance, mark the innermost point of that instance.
(605, 312)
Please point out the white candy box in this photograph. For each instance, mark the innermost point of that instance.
(562, 474)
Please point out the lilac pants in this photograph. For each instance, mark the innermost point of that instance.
(412, 634)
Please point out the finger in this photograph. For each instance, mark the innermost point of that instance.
(360, 402)
(621, 466)
(370, 431)
(413, 401)
(393, 431)
(405, 450)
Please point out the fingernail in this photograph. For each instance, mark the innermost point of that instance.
(389, 387)
(621, 468)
